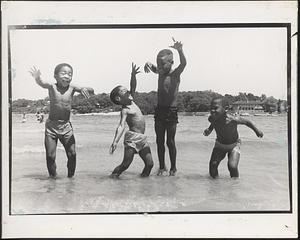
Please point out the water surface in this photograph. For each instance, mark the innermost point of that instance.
(262, 186)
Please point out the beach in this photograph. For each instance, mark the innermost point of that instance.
(263, 184)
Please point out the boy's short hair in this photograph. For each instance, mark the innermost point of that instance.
(166, 54)
(59, 66)
(223, 103)
(114, 93)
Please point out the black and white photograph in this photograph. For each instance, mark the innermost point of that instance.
(132, 120)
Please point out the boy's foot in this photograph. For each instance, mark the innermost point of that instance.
(114, 176)
(160, 172)
(172, 172)
(53, 175)
(70, 174)
(144, 175)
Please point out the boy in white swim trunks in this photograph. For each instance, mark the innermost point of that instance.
(58, 125)
(134, 140)
(227, 141)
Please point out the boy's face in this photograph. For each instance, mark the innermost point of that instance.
(216, 109)
(125, 97)
(164, 64)
(64, 76)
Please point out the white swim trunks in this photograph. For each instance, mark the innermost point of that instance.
(135, 140)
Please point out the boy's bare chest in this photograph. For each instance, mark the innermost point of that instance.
(134, 111)
(61, 95)
(166, 83)
(226, 125)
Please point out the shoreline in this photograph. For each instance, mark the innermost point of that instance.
(197, 114)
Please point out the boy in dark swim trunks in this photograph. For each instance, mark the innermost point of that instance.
(135, 141)
(166, 118)
(227, 140)
(58, 125)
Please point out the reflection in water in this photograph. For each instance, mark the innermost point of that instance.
(50, 185)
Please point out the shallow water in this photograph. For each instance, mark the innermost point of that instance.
(262, 186)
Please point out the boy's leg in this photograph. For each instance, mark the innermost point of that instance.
(69, 145)
(127, 159)
(217, 156)
(160, 142)
(233, 161)
(50, 146)
(145, 154)
(171, 131)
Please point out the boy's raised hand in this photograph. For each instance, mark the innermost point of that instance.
(35, 73)
(134, 70)
(147, 67)
(85, 92)
(177, 45)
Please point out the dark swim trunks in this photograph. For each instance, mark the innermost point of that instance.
(166, 115)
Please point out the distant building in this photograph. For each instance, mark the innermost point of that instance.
(247, 106)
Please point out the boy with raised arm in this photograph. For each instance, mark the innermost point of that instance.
(227, 141)
(58, 125)
(165, 116)
(135, 141)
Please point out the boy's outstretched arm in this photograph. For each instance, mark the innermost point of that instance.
(134, 72)
(178, 46)
(250, 125)
(36, 74)
(149, 66)
(119, 131)
(85, 91)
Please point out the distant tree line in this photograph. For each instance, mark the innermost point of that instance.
(191, 101)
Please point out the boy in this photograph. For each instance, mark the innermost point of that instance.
(227, 140)
(58, 124)
(134, 140)
(165, 116)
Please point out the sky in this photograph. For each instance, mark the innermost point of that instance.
(224, 60)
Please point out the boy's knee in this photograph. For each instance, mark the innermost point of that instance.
(213, 164)
(50, 157)
(150, 164)
(170, 143)
(160, 141)
(71, 153)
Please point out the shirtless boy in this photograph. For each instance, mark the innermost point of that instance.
(58, 125)
(135, 141)
(166, 118)
(227, 141)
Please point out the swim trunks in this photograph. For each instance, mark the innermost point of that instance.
(166, 115)
(135, 140)
(59, 129)
(234, 147)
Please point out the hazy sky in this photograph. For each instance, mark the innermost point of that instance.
(225, 60)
